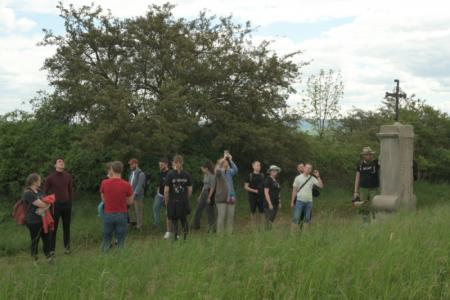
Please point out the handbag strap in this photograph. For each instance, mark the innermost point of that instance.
(304, 184)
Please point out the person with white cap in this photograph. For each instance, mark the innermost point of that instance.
(272, 195)
(367, 182)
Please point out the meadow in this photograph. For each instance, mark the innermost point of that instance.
(400, 256)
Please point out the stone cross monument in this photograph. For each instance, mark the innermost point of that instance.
(396, 165)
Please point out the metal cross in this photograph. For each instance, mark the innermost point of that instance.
(397, 95)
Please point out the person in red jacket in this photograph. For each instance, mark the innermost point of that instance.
(60, 184)
(116, 195)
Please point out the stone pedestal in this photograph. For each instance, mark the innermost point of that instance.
(396, 172)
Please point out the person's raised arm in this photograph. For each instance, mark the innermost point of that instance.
(234, 168)
(318, 180)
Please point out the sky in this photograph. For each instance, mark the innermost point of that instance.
(370, 42)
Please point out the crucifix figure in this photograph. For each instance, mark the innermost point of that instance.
(397, 95)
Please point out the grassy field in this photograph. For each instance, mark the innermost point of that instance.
(402, 256)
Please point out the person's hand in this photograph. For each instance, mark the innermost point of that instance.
(209, 200)
(316, 173)
(292, 204)
(356, 195)
(255, 191)
(279, 205)
(270, 206)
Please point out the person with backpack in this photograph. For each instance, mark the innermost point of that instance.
(205, 198)
(177, 192)
(60, 183)
(367, 183)
(35, 209)
(116, 195)
(137, 181)
(272, 191)
(254, 185)
(159, 203)
(302, 195)
(225, 195)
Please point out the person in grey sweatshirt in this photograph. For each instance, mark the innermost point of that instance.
(225, 195)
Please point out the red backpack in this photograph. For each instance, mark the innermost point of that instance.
(19, 212)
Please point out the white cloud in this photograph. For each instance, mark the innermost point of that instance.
(408, 40)
(9, 22)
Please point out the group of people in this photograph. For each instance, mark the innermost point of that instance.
(122, 201)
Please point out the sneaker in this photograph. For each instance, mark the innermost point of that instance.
(51, 260)
(167, 235)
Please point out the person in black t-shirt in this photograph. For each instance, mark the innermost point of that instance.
(159, 197)
(254, 185)
(272, 194)
(33, 220)
(177, 192)
(367, 182)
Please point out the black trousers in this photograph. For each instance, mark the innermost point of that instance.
(63, 211)
(184, 224)
(37, 233)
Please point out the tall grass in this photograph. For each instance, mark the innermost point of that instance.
(401, 256)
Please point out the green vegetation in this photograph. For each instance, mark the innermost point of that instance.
(403, 256)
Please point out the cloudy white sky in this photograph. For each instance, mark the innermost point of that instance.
(371, 42)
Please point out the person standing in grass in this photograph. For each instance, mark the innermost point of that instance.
(177, 192)
(159, 203)
(205, 198)
(60, 184)
(367, 182)
(272, 191)
(302, 195)
(33, 218)
(137, 181)
(116, 195)
(254, 185)
(225, 195)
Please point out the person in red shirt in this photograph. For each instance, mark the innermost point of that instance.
(116, 195)
(60, 184)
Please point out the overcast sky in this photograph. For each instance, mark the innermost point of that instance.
(370, 42)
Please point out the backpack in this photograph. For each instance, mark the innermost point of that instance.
(19, 212)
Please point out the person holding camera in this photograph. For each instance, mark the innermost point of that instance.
(225, 195)
(302, 195)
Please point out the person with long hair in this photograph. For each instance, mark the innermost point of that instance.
(205, 200)
(33, 219)
(225, 195)
(177, 192)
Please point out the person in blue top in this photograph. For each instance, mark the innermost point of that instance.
(226, 170)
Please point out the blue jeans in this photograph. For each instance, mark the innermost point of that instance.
(302, 209)
(114, 224)
(157, 205)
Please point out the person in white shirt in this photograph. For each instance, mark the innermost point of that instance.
(302, 194)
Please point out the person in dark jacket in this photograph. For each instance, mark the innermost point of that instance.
(60, 183)
(272, 195)
(33, 219)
